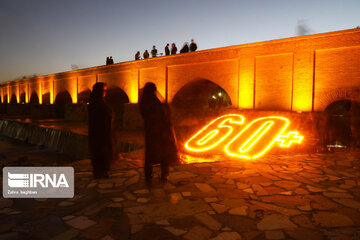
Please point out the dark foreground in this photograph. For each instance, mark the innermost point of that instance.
(303, 196)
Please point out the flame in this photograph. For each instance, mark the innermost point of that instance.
(292, 137)
(254, 140)
(214, 133)
(257, 137)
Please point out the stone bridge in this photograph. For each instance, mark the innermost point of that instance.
(304, 73)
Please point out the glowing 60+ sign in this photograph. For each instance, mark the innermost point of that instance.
(249, 142)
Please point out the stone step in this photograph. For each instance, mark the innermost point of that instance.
(65, 142)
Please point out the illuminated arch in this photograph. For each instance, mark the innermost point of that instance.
(13, 99)
(62, 99)
(116, 95)
(5, 100)
(34, 98)
(323, 100)
(201, 94)
(46, 98)
(338, 125)
(22, 97)
(116, 98)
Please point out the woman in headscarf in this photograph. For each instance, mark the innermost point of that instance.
(101, 138)
(160, 142)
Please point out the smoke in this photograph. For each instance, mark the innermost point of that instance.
(74, 67)
(302, 28)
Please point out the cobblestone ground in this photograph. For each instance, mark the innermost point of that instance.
(303, 196)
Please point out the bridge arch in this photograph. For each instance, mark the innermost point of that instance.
(46, 98)
(116, 98)
(322, 101)
(339, 119)
(22, 97)
(201, 94)
(62, 99)
(34, 98)
(13, 98)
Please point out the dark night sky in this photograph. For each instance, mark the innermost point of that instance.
(47, 36)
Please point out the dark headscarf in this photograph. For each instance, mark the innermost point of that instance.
(97, 94)
(149, 102)
(149, 90)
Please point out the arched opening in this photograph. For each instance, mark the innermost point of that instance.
(84, 96)
(202, 96)
(5, 99)
(338, 125)
(34, 99)
(13, 99)
(46, 98)
(62, 99)
(116, 98)
(22, 98)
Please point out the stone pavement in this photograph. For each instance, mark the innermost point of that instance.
(305, 196)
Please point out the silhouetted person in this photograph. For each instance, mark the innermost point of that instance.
(193, 46)
(173, 49)
(160, 142)
(111, 60)
(167, 50)
(185, 48)
(137, 55)
(107, 61)
(153, 51)
(101, 138)
(146, 54)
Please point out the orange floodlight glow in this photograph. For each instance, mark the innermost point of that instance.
(250, 142)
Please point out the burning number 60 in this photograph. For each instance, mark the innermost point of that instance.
(249, 142)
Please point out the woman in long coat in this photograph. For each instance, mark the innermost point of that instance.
(101, 138)
(160, 142)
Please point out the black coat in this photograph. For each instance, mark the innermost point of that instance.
(160, 141)
(193, 47)
(184, 49)
(101, 136)
(167, 51)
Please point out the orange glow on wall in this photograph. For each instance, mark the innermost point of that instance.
(133, 92)
(252, 141)
(8, 94)
(18, 93)
(2, 95)
(74, 90)
(40, 93)
(51, 91)
(27, 93)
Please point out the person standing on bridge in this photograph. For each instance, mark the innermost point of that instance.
(101, 135)
(160, 140)
(154, 52)
(111, 60)
(146, 54)
(167, 50)
(185, 48)
(137, 55)
(173, 49)
(193, 46)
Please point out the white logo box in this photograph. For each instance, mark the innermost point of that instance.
(38, 182)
